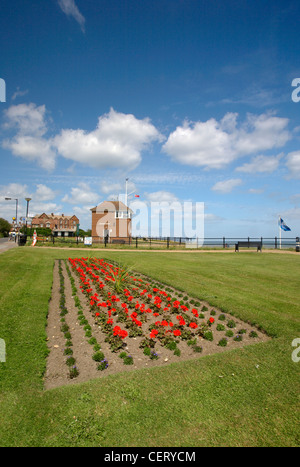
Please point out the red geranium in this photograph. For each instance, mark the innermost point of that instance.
(153, 333)
(119, 332)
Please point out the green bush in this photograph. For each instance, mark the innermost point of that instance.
(128, 360)
(238, 338)
(71, 361)
(98, 356)
(102, 365)
(231, 323)
(229, 333)
(208, 335)
(222, 342)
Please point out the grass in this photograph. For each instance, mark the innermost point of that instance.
(245, 397)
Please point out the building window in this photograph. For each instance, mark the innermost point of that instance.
(122, 215)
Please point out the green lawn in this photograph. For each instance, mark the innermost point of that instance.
(245, 397)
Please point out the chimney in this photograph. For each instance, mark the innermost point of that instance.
(62, 215)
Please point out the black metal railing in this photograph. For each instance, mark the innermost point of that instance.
(166, 242)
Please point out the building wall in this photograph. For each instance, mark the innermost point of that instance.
(58, 222)
(121, 228)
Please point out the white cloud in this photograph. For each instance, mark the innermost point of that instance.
(161, 196)
(32, 149)
(70, 9)
(291, 215)
(29, 142)
(44, 193)
(256, 191)
(38, 207)
(260, 133)
(293, 164)
(27, 118)
(19, 93)
(14, 190)
(201, 144)
(116, 142)
(82, 194)
(227, 186)
(107, 187)
(214, 144)
(261, 164)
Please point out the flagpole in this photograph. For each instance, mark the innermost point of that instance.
(126, 192)
(279, 232)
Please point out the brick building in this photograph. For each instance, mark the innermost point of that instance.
(111, 219)
(61, 225)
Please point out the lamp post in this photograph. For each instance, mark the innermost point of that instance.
(17, 201)
(27, 199)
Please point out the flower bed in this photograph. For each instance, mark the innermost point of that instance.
(141, 322)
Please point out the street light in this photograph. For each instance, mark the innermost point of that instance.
(17, 201)
(27, 199)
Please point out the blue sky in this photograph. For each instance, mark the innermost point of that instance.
(191, 100)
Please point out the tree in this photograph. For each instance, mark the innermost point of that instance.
(83, 233)
(5, 227)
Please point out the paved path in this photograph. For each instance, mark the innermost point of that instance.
(5, 244)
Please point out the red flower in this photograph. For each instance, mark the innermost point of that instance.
(117, 330)
(177, 332)
(153, 334)
(123, 334)
(211, 320)
(193, 325)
